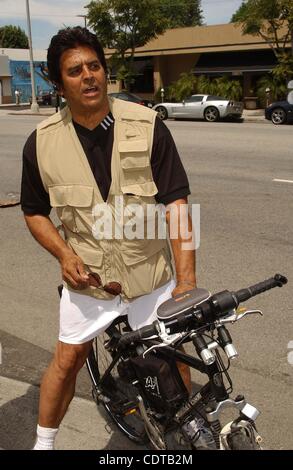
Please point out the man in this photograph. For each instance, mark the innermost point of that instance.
(17, 97)
(94, 152)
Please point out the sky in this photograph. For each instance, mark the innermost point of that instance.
(48, 16)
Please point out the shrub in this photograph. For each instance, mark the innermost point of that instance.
(188, 85)
(277, 86)
(184, 87)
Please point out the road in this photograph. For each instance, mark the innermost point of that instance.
(246, 236)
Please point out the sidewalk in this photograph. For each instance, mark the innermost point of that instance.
(18, 411)
(254, 115)
(83, 428)
(25, 109)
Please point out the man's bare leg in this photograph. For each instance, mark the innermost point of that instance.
(58, 384)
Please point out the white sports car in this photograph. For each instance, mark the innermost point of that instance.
(208, 107)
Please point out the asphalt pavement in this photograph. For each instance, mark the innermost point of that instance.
(240, 174)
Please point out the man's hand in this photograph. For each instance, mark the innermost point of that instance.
(45, 232)
(183, 286)
(73, 271)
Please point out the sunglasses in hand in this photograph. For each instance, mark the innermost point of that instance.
(112, 287)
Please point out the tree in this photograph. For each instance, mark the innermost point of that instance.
(270, 19)
(273, 21)
(277, 86)
(124, 25)
(239, 14)
(182, 13)
(13, 37)
(185, 86)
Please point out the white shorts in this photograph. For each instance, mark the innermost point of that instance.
(82, 317)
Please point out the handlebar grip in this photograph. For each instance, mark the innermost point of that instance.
(144, 332)
(277, 281)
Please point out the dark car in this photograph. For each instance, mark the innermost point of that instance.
(127, 96)
(279, 112)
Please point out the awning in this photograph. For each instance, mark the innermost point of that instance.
(235, 62)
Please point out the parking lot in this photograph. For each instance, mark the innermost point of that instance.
(241, 174)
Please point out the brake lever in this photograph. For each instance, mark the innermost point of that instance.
(235, 316)
(249, 312)
(167, 339)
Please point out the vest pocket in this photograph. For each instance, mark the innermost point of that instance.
(93, 259)
(133, 146)
(144, 222)
(147, 270)
(146, 189)
(73, 204)
(136, 173)
(89, 255)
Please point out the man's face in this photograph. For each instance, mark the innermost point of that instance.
(84, 83)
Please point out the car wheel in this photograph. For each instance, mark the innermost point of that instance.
(211, 114)
(278, 116)
(162, 112)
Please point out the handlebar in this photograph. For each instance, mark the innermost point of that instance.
(221, 303)
(209, 311)
(277, 281)
(144, 332)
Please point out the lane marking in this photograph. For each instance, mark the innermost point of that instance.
(283, 181)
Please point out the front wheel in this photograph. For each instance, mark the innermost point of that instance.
(279, 116)
(240, 440)
(162, 112)
(119, 408)
(211, 114)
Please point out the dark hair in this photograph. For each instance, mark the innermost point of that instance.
(70, 38)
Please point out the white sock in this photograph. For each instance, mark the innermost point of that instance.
(45, 438)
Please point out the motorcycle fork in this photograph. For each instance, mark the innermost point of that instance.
(216, 383)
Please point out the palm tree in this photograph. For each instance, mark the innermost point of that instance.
(278, 89)
(229, 88)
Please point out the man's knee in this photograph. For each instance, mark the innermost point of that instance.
(69, 358)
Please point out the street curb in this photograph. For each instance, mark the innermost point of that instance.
(30, 114)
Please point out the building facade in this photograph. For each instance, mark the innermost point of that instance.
(5, 79)
(215, 50)
(16, 64)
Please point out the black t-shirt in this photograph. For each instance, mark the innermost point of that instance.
(168, 172)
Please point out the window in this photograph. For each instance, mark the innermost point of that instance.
(123, 96)
(194, 99)
(215, 98)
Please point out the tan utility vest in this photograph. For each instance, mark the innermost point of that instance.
(140, 265)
